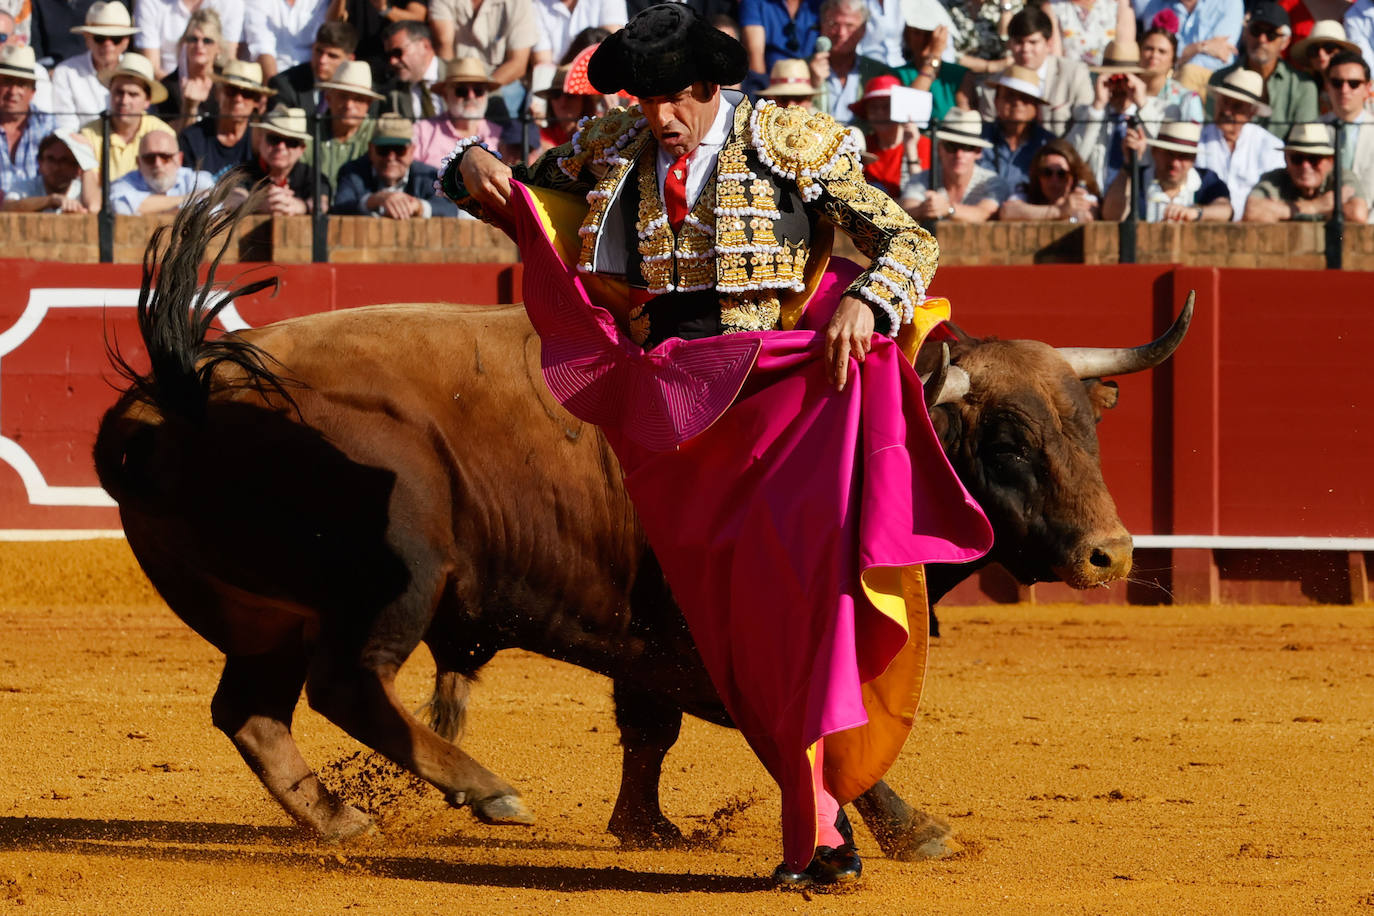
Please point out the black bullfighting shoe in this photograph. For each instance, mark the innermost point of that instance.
(829, 867)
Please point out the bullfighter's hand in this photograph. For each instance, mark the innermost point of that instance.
(487, 179)
(850, 333)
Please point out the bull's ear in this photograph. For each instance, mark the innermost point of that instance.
(949, 426)
(1102, 394)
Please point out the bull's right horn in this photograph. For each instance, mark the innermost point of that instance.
(1100, 362)
(954, 388)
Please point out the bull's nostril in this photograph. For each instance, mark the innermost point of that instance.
(1101, 559)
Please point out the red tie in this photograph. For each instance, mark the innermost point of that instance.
(675, 192)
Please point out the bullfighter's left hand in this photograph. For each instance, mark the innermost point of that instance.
(850, 333)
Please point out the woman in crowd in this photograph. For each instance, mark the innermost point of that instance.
(190, 87)
(1061, 187)
(896, 151)
(1158, 54)
(1082, 28)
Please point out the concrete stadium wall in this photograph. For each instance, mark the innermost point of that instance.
(1259, 427)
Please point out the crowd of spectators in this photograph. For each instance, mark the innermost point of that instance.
(970, 110)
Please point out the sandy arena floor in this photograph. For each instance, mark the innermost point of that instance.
(1094, 760)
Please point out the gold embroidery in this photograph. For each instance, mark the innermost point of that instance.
(674, 263)
(639, 324)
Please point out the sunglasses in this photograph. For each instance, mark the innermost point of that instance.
(1311, 159)
(953, 148)
(288, 142)
(109, 39)
(1055, 173)
(1346, 84)
(154, 158)
(1325, 49)
(387, 152)
(396, 53)
(199, 40)
(789, 32)
(1264, 30)
(469, 90)
(231, 90)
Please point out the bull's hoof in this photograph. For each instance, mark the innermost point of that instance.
(502, 809)
(346, 825)
(659, 833)
(931, 839)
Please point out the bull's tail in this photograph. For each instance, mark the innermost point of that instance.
(448, 707)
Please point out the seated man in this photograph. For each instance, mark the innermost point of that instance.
(1290, 95)
(1304, 189)
(1016, 133)
(968, 192)
(280, 140)
(77, 93)
(22, 127)
(216, 145)
(464, 91)
(841, 73)
(388, 181)
(348, 97)
(62, 184)
(789, 84)
(1238, 150)
(161, 183)
(298, 86)
(132, 90)
(1171, 189)
(1347, 85)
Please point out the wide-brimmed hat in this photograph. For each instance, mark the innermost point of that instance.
(1178, 136)
(962, 126)
(555, 86)
(664, 49)
(394, 130)
(1021, 79)
(81, 150)
(1246, 85)
(18, 60)
(1312, 138)
(245, 75)
(285, 122)
(1325, 32)
(467, 70)
(880, 87)
(136, 66)
(1120, 57)
(924, 15)
(110, 19)
(789, 78)
(353, 76)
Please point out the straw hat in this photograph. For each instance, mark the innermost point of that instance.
(394, 130)
(467, 70)
(244, 75)
(556, 86)
(1178, 136)
(18, 60)
(81, 150)
(964, 127)
(136, 66)
(1325, 32)
(1120, 57)
(1023, 80)
(285, 122)
(880, 87)
(353, 76)
(1246, 85)
(789, 78)
(1311, 138)
(111, 19)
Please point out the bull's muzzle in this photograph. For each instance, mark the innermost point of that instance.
(1099, 562)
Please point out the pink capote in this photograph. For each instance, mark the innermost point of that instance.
(766, 496)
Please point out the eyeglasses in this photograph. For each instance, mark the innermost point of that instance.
(789, 32)
(198, 40)
(1055, 173)
(231, 90)
(1311, 159)
(109, 39)
(953, 148)
(1346, 84)
(386, 152)
(154, 158)
(1264, 30)
(469, 90)
(288, 142)
(396, 53)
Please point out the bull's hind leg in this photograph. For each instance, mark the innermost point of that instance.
(649, 726)
(903, 832)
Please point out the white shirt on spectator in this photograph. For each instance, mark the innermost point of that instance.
(1359, 27)
(284, 30)
(984, 185)
(558, 25)
(127, 194)
(1257, 151)
(77, 93)
(161, 23)
(33, 187)
(883, 34)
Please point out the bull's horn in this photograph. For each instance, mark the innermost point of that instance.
(1100, 362)
(934, 381)
(954, 388)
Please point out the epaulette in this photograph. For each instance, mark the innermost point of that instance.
(598, 141)
(800, 145)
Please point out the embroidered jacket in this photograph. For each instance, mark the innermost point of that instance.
(781, 173)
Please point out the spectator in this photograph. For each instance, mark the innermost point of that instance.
(896, 151)
(388, 182)
(62, 184)
(1060, 187)
(370, 20)
(412, 91)
(1347, 81)
(1171, 188)
(1158, 52)
(77, 93)
(52, 28)
(1208, 30)
(190, 87)
(42, 95)
(1359, 27)
(464, 92)
(842, 73)
(1291, 95)
(1313, 54)
(1121, 98)
(968, 192)
(19, 19)
(279, 141)
(1304, 189)
(982, 32)
(789, 84)
(161, 183)
(500, 33)
(162, 23)
(347, 97)
(884, 33)
(215, 146)
(22, 127)
(928, 46)
(280, 33)
(298, 86)
(1085, 27)
(772, 30)
(1065, 84)
(1016, 133)
(560, 20)
(568, 104)
(132, 90)
(1234, 147)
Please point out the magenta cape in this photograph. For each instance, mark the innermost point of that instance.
(790, 520)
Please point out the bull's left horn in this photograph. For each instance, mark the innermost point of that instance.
(1100, 362)
(955, 387)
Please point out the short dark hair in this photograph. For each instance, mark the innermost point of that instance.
(1348, 57)
(1026, 23)
(338, 34)
(1169, 36)
(48, 141)
(414, 29)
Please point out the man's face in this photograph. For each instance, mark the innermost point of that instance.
(1030, 51)
(1015, 107)
(680, 121)
(844, 28)
(958, 159)
(1348, 89)
(15, 95)
(1232, 115)
(105, 50)
(348, 108)
(279, 154)
(391, 162)
(1171, 166)
(128, 96)
(465, 101)
(58, 169)
(1308, 170)
(239, 103)
(408, 59)
(325, 59)
(158, 160)
(1263, 44)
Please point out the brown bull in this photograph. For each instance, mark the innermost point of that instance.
(317, 497)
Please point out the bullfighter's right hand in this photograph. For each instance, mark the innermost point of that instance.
(487, 179)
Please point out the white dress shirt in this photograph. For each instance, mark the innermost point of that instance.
(284, 30)
(884, 32)
(1257, 151)
(558, 25)
(77, 93)
(161, 23)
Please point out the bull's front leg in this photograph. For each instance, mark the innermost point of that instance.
(903, 832)
(649, 726)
